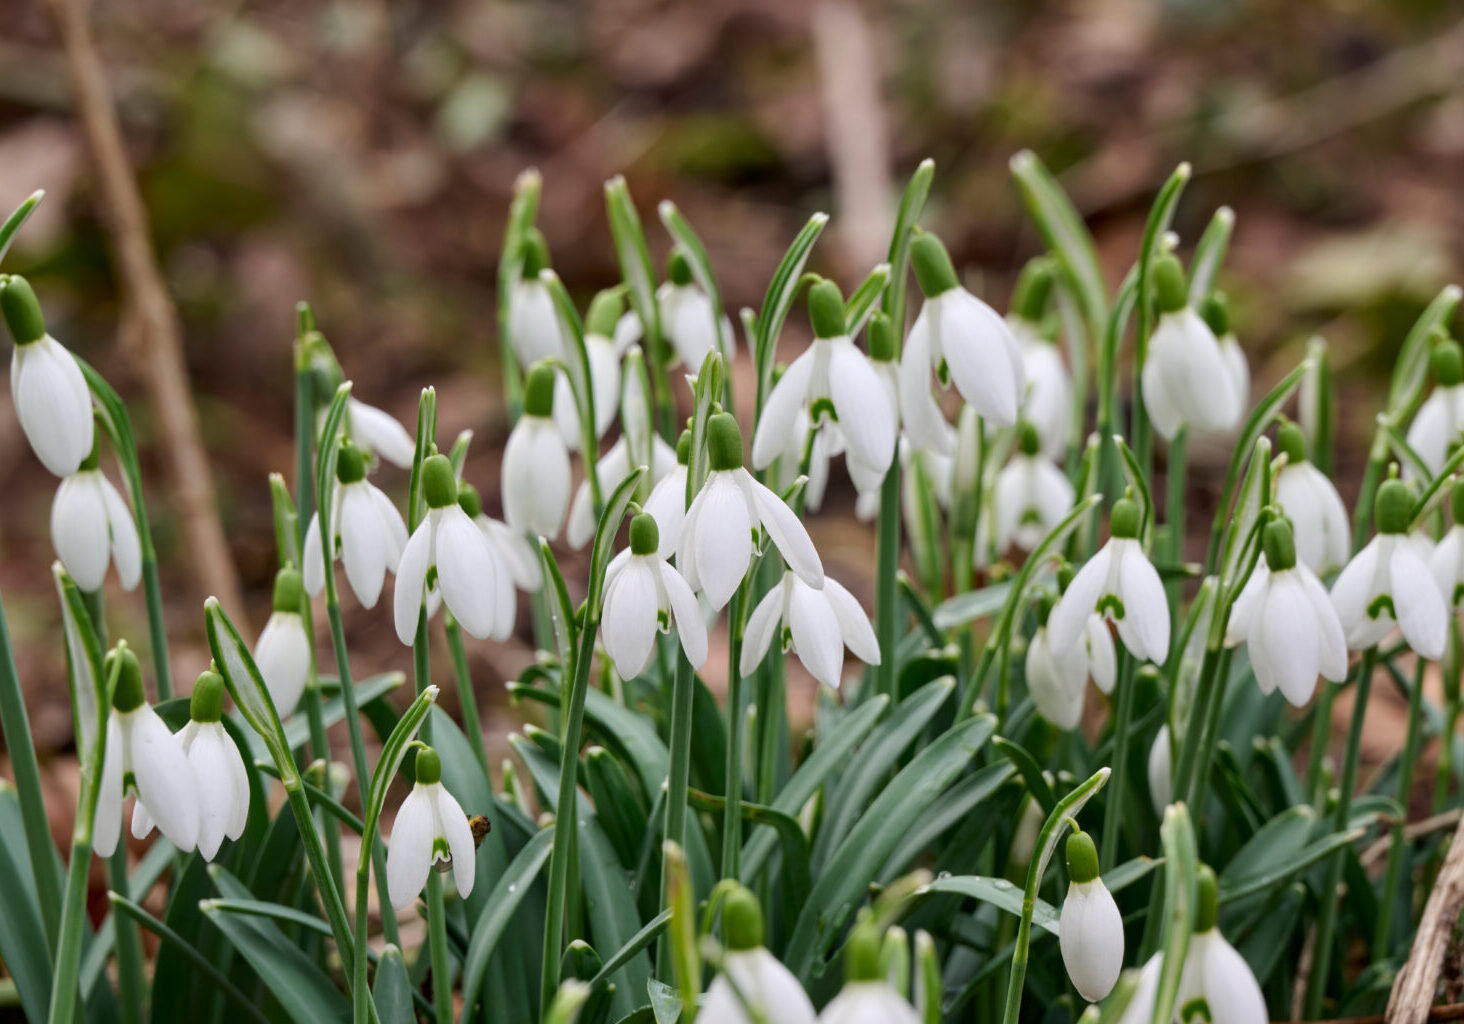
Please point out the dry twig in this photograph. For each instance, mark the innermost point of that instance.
(1418, 979)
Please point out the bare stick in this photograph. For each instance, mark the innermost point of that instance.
(1418, 979)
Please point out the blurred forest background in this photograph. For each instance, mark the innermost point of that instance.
(360, 154)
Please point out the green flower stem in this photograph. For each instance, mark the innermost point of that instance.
(467, 698)
(1397, 846)
(1200, 783)
(15, 726)
(436, 915)
(73, 920)
(1327, 917)
(678, 778)
(732, 811)
(1176, 484)
(1122, 732)
(886, 597)
(130, 984)
(1451, 672)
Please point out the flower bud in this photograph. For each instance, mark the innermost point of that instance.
(1279, 545)
(289, 591)
(1166, 278)
(1446, 362)
(645, 536)
(881, 335)
(1394, 507)
(22, 310)
(439, 484)
(724, 442)
(826, 310)
(1090, 931)
(428, 767)
(539, 391)
(1124, 520)
(1291, 442)
(129, 695)
(742, 923)
(207, 704)
(934, 271)
(605, 311)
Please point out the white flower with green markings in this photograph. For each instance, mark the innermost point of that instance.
(688, 320)
(1214, 973)
(534, 329)
(1185, 378)
(218, 768)
(1048, 403)
(1090, 930)
(50, 393)
(1310, 500)
(1215, 311)
(283, 650)
(516, 560)
(751, 976)
(815, 623)
(605, 343)
(1057, 681)
(1031, 497)
(91, 525)
(1439, 424)
(867, 997)
(369, 534)
(643, 596)
(430, 828)
(535, 474)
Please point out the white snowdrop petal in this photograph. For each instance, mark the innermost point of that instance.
(1351, 591)
(784, 529)
(866, 418)
(1285, 644)
(389, 521)
(238, 788)
(1140, 1008)
(380, 432)
(312, 568)
(1146, 608)
(1059, 698)
(1332, 643)
(924, 425)
(781, 409)
(686, 613)
(1226, 981)
(1090, 934)
(1444, 565)
(411, 580)
(1102, 660)
(722, 539)
(628, 624)
(816, 637)
(766, 985)
(974, 341)
(868, 1002)
(283, 657)
(53, 404)
(409, 856)
(521, 557)
(1417, 603)
(1430, 433)
(363, 549)
(762, 626)
(164, 780)
(466, 572)
(459, 836)
(1243, 610)
(1160, 771)
(667, 506)
(533, 323)
(126, 547)
(1070, 615)
(79, 529)
(107, 824)
(208, 760)
(853, 623)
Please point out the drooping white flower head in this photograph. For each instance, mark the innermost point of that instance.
(534, 329)
(751, 976)
(1031, 496)
(1310, 500)
(145, 760)
(516, 561)
(50, 393)
(1440, 420)
(1120, 583)
(867, 997)
(369, 532)
(1388, 583)
(1447, 560)
(1215, 311)
(643, 596)
(379, 433)
(1287, 622)
(1056, 681)
(667, 503)
(1140, 1007)
(1185, 379)
(613, 469)
(718, 534)
(535, 474)
(816, 623)
(1213, 971)
(1048, 403)
(833, 382)
(430, 828)
(688, 318)
(964, 341)
(218, 768)
(603, 346)
(1090, 930)
(91, 524)
(448, 541)
(283, 650)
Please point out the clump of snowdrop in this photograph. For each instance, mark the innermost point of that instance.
(1056, 681)
(50, 393)
(534, 329)
(283, 651)
(91, 525)
(1048, 403)
(688, 318)
(430, 828)
(1090, 930)
(1031, 497)
(145, 760)
(1388, 583)
(964, 341)
(643, 596)
(218, 768)
(369, 534)
(535, 475)
(1440, 418)
(751, 976)
(1118, 583)
(1310, 501)
(1185, 378)
(867, 997)
(817, 623)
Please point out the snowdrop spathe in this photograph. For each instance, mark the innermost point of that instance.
(1056, 681)
(145, 760)
(369, 532)
(1287, 622)
(867, 997)
(283, 650)
(752, 976)
(1090, 930)
(688, 319)
(729, 517)
(817, 623)
(1119, 583)
(535, 475)
(1031, 496)
(50, 393)
(218, 768)
(430, 827)
(965, 342)
(1310, 500)
(1440, 418)
(448, 541)
(644, 595)
(91, 524)
(1185, 378)
(1388, 583)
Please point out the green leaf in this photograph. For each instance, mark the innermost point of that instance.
(912, 205)
(616, 804)
(333, 710)
(1031, 772)
(1140, 484)
(1209, 254)
(866, 299)
(23, 946)
(957, 807)
(782, 290)
(980, 603)
(561, 609)
(1410, 374)
(679, 228)
(794, 844)
(1269, 878)
(12, 224)
(1126, 874)
(706, 391)
(578, 370)
(1182, 863)
(1066, 235)
(999, 893)
(510, 889)
(393, 990)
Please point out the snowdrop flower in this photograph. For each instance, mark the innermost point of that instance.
(518, 560)
(369, 532)
(533, 323)
(1310, 501)
(1441, 417)
(760, 980)
(1160, 769)
(964, 341)
(90, 524)
(451, 543)
(535, 478)
(1140, 1007)
(687, 317)
(379, 433)
(731, 513)
(603, 352)
(867, 998)
(1031, 496)
(1056, 681)
(143, 759)
(1447, 560)
(50, 394)
(1213, 971)
(1090, 930)
(1185, 379)
(1288, 622)
(817, 623)
(430, 827)
(283, 650)
(1215, 312)
(223, 785)
(1119, 583)
(1048, 404)
(834, 383)
(613, 469)
(1388, 583)
(667, 503)
(643, 595)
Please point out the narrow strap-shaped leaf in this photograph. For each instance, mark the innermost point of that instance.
(999, 893)
(704, 394)
(1403, 449)
(1209, 254)
(1030, 771)
(778, 300)
(1410, 373)
(1180, 871)
(426, 432)
(1066, 235)
(581, 385)
(866, 299)
(701, 269)
(1436, 486)
(637, 942)
(634, 258)
(17, 219)
(561, 609)
(510, 889)
(521, 215)
(912, 205)
(304, 991)
(1140, 484)
(392, 991)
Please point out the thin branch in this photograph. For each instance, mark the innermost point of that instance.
(1418, 979)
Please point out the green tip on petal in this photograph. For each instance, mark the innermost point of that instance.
(724, 442)
(1456, 502)
(1082, 857)
(1124, 520)
(1215, 311)
(539, 391)
(469, 500)
(1447, 363)
(1207, 899)
(1279, 545)
(429, 766)
(645, 535)
(1394, 507)
(207, 704)
(934, 270)
(22, 310)
(289, 591)
(861, 955)
(683, 448)
(606, 308)
(1034, 288)
(350, 464)
(742, 921)
(1291, 441)
(678, 269)
(1166, 278)
(439, 484)
(1027, 439)
(536, 254)
(826, 309)
(129, 694)
(881, 338)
